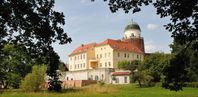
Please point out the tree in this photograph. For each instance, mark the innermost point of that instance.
(126, 65)
(33, 81)
(138, 74)
(62, 67)
(14, 65)
(155, 63)
(183, 67)
(36, 25)
(183, 25)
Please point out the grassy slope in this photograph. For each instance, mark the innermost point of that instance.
(109, 91)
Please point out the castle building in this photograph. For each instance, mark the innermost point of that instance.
(98, 61)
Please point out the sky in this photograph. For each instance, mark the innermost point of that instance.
(87, 22)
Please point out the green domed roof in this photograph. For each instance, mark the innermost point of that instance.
(132, 25)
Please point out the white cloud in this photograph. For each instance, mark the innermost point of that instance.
(150, 47)
(152, 26)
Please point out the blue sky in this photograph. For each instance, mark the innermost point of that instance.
(88, 22)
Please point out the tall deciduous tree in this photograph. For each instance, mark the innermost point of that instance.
(35, 24)
(14, 65)
(183, 25)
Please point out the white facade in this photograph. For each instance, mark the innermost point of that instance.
(120, 79)
(132, 33)
(104, 56)
(100, 74)
(78, 62)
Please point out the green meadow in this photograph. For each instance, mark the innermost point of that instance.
(107, 91)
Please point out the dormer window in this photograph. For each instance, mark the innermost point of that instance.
(125, 48)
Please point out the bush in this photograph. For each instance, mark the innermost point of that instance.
(33, 80)
(100, 82)
(191, 84)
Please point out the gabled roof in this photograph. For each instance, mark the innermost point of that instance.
(119, 45)
(83, 48)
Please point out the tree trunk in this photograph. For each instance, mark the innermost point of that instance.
(140, 83)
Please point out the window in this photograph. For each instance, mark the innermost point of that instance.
(75, 66)
(83, 65)
(97, 56)
(132, 35)
(96, 77)
(125, 48)
(137, 56)
(125, 79)
(100, 55)
(102, 76)
(109, 54)
(100, 64)
(125, 55)
(118, 54)
(71, 58)
(105, 55)
(75, 58)
(101, 48)
(80, 65)
(128, 56)
(105, 64)
(67, 78)
(116, 80)
(109, 64)
(83, 56)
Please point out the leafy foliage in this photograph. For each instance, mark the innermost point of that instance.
(155, 63)
(36, 25)
(124, 64)
(186, 65)
(33, 80)
(137, 70)
(14, 65)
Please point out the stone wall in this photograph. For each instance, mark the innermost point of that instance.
(77, 83)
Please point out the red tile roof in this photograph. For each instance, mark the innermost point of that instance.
(119, 45)
(82, 48)
(120, 73)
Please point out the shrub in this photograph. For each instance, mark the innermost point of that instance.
(191, 84)
(100, 82)
(33, 80)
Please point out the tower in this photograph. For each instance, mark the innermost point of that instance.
(132, 34)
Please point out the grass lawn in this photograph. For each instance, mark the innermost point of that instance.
(108, 91)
